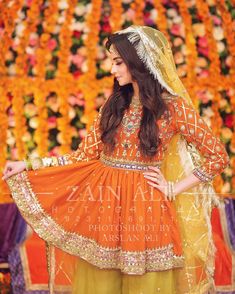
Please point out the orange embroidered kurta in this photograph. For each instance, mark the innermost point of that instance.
(100, 207)
(181, 118)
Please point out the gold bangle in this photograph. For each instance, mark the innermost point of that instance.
(36, 163)
(28, 164)
(170, 190)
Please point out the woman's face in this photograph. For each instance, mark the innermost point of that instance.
(119, 68)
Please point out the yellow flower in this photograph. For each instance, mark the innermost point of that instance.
(198, 29)
(226, 133)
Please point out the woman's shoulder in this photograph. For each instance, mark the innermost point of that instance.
(175, 102)
(172, 99)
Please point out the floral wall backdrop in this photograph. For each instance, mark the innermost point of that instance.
(54, 71)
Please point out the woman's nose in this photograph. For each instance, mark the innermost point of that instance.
(113, 70)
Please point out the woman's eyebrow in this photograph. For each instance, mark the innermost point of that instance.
(115, 58)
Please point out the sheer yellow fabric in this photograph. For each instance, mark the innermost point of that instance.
(92, 280)
(195, 277)
(193, 207)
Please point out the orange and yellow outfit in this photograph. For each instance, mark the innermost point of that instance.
(99, 207)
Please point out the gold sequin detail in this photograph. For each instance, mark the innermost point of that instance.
(129, 262)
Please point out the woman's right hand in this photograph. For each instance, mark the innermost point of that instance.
(13, 167)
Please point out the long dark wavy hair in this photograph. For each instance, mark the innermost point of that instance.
(150, 95)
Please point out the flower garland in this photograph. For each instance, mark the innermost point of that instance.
(29, 25)
(4, 104)
(214, 71)
(203, 11)
(227, 24)
(88, 82)
(116, 12)
(138, 7)
(7, 16)
(63, 92)
(43, 56)
(41, 132)
(20, 121)
(191, 53)
(161, 18)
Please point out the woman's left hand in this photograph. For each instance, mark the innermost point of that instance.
(157, 180)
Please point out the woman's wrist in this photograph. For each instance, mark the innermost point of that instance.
(28, 165)
(171, 190)
(33, 164)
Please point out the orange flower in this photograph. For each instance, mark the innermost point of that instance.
(138, 7)
(161, 18)
(116, 15)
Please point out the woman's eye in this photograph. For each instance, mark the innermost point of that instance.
(118, 63)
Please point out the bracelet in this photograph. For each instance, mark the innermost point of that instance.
(170, 190)
(28, 164)
(36, 163)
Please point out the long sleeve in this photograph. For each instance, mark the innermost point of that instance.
(193, 128)
(90, 148)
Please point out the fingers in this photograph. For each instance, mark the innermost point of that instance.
(153, 178)
(8, 175)
(6, 168)
(154, 185)
(152, 174)
(169, 198)
(154, 168)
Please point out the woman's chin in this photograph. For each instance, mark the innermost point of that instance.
(122, 83)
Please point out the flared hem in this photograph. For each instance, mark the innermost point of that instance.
(129, 262)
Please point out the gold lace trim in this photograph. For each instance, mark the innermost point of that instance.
(129, 262)
(127, 164)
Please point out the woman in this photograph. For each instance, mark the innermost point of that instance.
(129, 217)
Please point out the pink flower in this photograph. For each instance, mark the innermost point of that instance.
(176, 30)
(204, 73)
(229, 120)
(148, 21)
(77, 59)
(1, 32)
(77, 34)
(76, 74)
(203, 51)
(82, 133)
(228, 61)
(32, 59)
(33, 41)
(202, 42)
(14, 154)
(130, 14)
(52, 44)
(106, 27)
(51, 122)
(10, 97)
(230, 92)
(75, 100)
(29, 2)
(203, 97)
(216, 20)
(55, 151)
